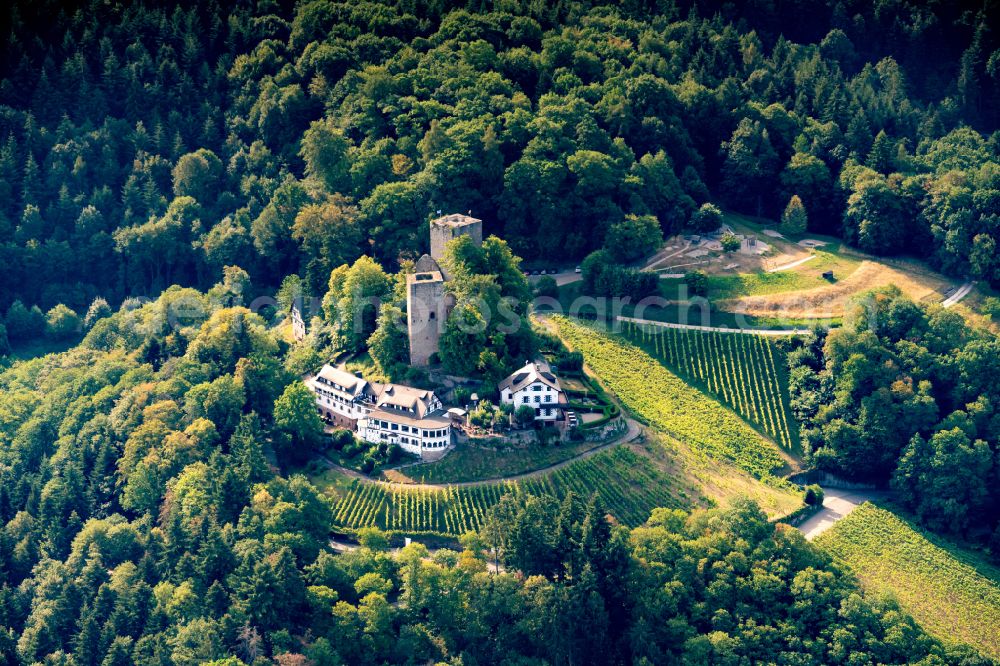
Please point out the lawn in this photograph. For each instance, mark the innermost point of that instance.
(809, 275)
(950, 591)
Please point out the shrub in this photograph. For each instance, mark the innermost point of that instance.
(547, 287)
(697, 283)
(730, 242)
(570, 362)
(814, 495)
(61, 323)
(525, 415)
(706, 219)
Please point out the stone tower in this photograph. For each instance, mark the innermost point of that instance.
(447, 227)
(426, 312)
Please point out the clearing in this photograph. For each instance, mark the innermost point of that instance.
(912, 278)
(950, 591)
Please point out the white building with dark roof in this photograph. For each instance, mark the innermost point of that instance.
(410, 417)
(342, 397)
(534, 385)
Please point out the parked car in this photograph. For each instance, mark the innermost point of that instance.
(577, 270)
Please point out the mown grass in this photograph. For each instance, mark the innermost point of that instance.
(951, 592)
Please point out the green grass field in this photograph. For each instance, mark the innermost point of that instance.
(951, 592)
(628, 485)
(746, 372)
(668, 403)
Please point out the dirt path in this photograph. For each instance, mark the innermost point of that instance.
(791, 265)
(959, 294)
(632, 432)
(719, 329)
(837, 505)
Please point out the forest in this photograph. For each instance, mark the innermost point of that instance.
(144, 145)
(162, 164)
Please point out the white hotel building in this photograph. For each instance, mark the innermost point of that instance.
(534, 385)
(410, 417)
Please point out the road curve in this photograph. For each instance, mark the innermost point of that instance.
(837, 505)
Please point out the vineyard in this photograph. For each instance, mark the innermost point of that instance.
(951, 593)
(627, 484)
(747, 372)
(669, 404)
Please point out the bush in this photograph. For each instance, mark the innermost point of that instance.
(525, 415)
(697, 283)
(706, 219)
(570, 362)
(61, 323)
(547, 287)
(730, 242)
(814, 495)
(341, 438)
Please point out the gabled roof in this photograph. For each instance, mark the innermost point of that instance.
(538, 371)
(346, 384)
(407, 399)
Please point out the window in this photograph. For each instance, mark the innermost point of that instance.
(395, 426)
(536, 387)
(548, 398)
(538, 399)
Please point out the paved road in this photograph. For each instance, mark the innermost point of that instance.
(959, 294)
(719, 329)
(837, 504)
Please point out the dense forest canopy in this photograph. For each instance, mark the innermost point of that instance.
(161, 164)
(143, 144)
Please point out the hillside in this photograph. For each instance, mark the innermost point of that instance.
(950, 592)
(215, 222)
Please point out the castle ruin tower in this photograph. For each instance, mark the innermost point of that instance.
(426, 312)
(447, 227)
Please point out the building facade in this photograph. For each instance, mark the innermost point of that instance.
(534, 385)
(412, 418)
